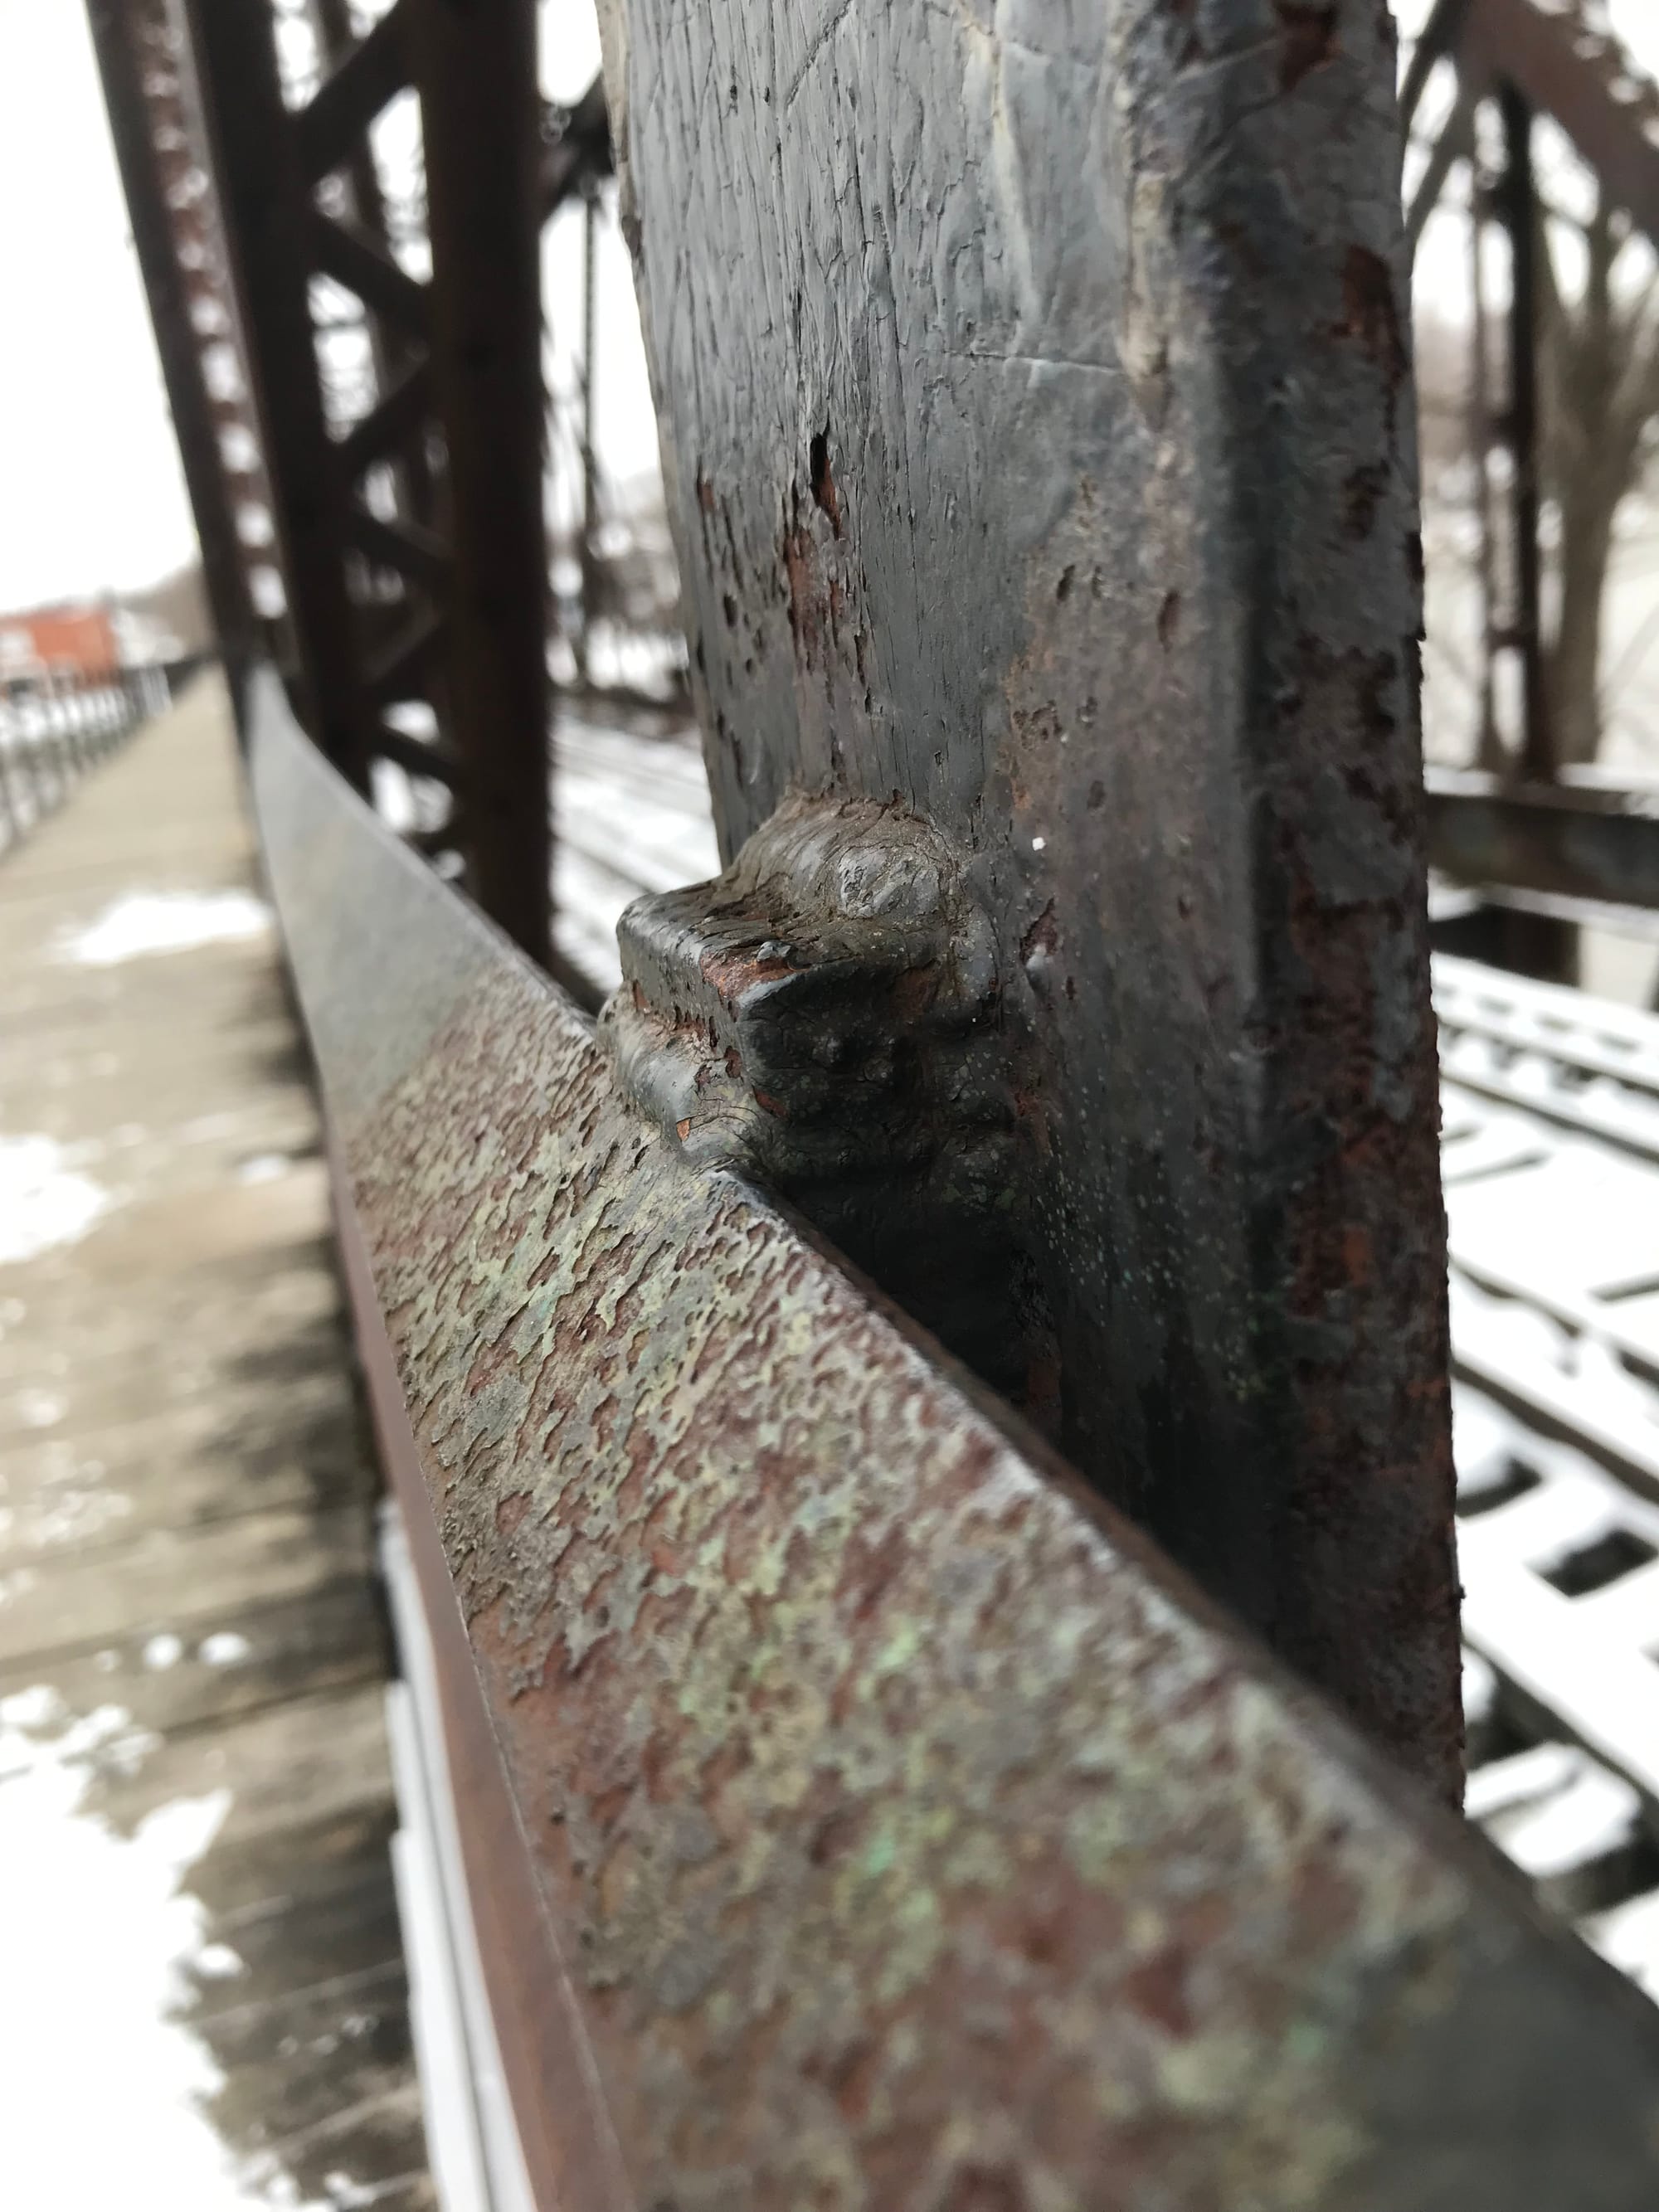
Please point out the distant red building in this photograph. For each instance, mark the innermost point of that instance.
(57, 642)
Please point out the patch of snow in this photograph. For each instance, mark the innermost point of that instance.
(42, 1203)
(18, 1583)
(33, 1708)
(1480, 1689)
(206, 1127)
(97, 1937)
(39, 1409)
(346, 2195)
(1484, 1439)
(264, 1167)
(1527, 1778)
(76, 1516)
(145, 922)
(1551, 1809)
(1627, 1936)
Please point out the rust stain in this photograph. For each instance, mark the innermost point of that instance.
(710, 1570)
(825, 494)
(1309, 40)
(1371, 311)
(911, 1833)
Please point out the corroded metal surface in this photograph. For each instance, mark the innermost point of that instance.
(175, 239)
(1573, 842)
(438, 608)
(1035, 394)
(911, 1834)
(822, 1017)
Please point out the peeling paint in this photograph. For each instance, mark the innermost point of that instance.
(902, 1818)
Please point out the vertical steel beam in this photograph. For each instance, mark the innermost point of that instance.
(475, 69)
(589, 543)
(119, 28)
(1438, 37)
(1045, 478)
(266, 199)
(336, 37)
(1518, 205)
(1489, 752)
(1564, 61)
(459, 355)
(393, 353)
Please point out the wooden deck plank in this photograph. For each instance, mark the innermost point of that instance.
(224, 1661)
(192, 1650)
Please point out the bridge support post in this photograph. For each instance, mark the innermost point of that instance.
(1045, 480)
(445, 614)
(137, 46)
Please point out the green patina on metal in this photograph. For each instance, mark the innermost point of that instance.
(915, 1836)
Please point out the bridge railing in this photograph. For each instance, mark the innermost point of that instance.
(856, 1809)
(56, 728)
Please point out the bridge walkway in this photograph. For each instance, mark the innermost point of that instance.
(204, 1974)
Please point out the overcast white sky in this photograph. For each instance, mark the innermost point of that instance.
(90, 494)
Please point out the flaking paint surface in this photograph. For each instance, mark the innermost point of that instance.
(908, 1844)
(912, 1835)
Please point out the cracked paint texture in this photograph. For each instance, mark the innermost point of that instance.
(912, 1834)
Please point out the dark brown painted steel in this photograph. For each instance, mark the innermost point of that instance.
(392, 422)
(1517, 207)
(579, 151)
(907, 1832)
(1438, 36)
(266, 196)
(365, 266)
(360, 84)
(337, 39)
(120, 30)
(476, 68)
(1571, 842)
(1037, 391)
(568, 2154)
(1565, 64)
(475, 587)
(1455, 143)
(419, 555)
(393, 353)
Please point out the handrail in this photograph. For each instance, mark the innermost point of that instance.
(53, 731)
(888, 1823)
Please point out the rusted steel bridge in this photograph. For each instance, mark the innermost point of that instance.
(924, 1431)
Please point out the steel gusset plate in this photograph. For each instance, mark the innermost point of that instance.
(911, 1834)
